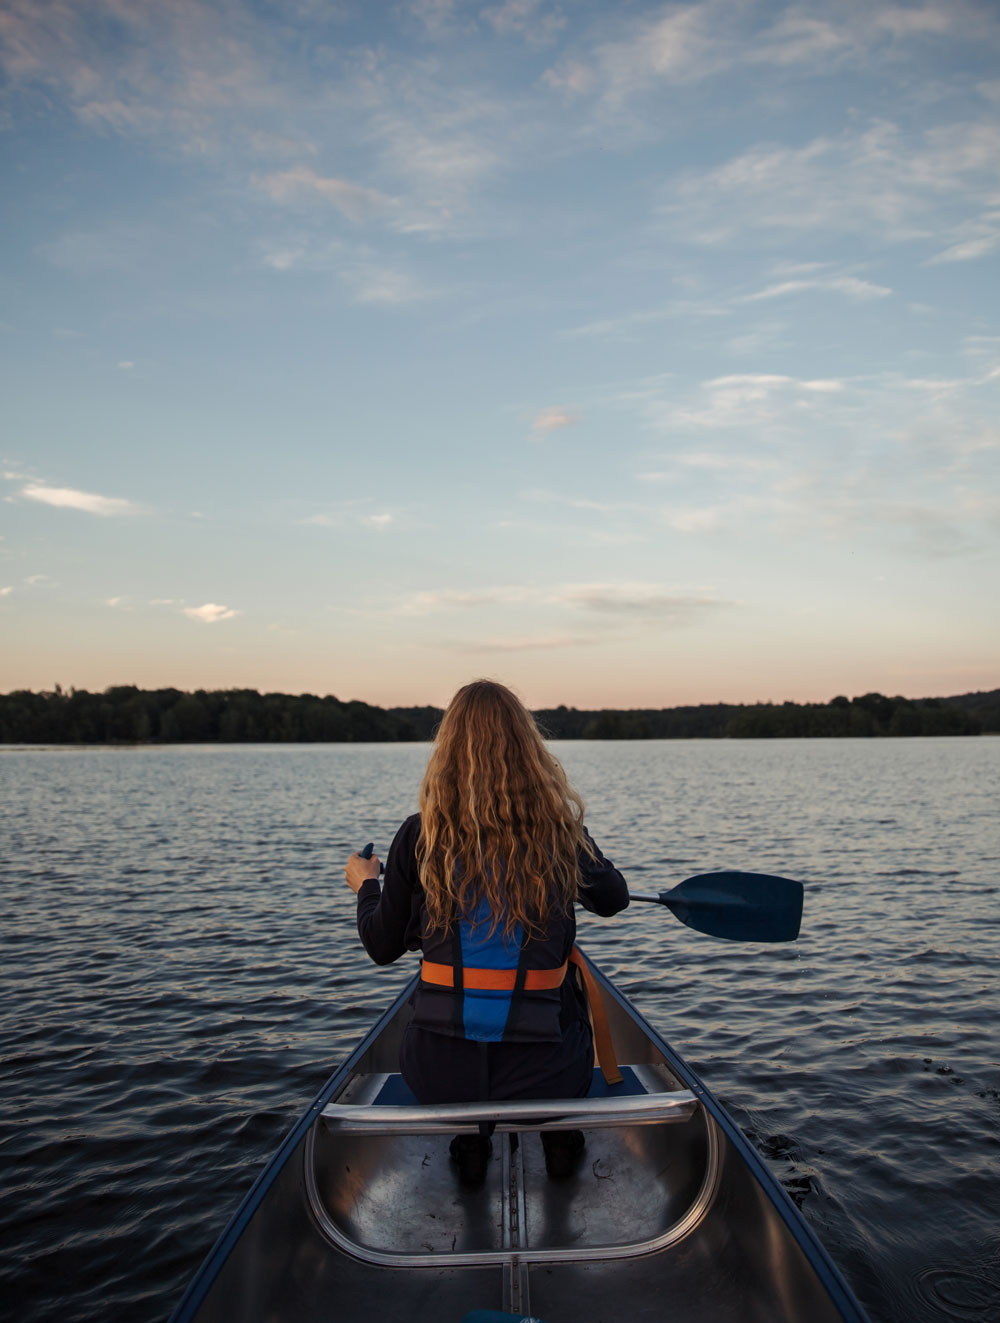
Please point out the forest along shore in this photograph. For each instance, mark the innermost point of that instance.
(125, 714)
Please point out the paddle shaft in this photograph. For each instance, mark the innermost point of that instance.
(741, 907)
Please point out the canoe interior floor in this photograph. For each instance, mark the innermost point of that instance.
(401, 1196)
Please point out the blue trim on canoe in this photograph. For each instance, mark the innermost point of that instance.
(840, 1293)
(205, 1277)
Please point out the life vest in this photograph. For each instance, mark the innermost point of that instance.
(491, 988)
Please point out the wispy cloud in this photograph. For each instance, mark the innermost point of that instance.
(210, 614)
(355, 201)
(369, 278)
(68, 498)
(686, 44)
(521, 643)
(348, 514)
(534, 21)
(879, 179)
(431, 600)
(742, 401)
(177, 67)
(381, 285)
(631, 598)
(6, 592)
(553, 418)
(848, 285)
(978, 238)
(643, 599)
(539, 496)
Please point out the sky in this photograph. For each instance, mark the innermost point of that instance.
(632, 354)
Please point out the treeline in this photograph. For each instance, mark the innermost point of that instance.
(125, 714)
(870, 715)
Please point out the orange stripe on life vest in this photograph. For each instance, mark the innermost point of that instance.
(492, 980)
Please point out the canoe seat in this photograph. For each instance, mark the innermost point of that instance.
(386, 1106)
(395, 1092)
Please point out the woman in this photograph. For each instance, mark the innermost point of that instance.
(483, 881)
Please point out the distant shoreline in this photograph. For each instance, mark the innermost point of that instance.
(125, 715)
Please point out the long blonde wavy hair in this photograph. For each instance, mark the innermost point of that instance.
(499, 821)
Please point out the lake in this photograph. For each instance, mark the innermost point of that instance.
(181, 972)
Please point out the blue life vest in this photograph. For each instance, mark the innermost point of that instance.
(519, 1012)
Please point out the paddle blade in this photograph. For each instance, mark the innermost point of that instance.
(744, 907)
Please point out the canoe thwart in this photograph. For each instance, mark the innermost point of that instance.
(512, 1115)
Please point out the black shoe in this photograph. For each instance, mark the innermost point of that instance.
(472, 1153)
(563, 1149)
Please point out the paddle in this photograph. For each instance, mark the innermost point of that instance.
(744, 907)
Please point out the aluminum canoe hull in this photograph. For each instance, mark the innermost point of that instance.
(670, 1216)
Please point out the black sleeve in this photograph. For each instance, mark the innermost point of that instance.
(389, 917)
(603, 890)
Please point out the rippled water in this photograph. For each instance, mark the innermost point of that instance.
(180, 972)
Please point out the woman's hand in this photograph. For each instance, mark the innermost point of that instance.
(359, 870)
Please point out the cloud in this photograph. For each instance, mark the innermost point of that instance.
(849, 285)
(284, 258)
(383, 286)
(126, 365)
(704, 520)
(354, 201)
(570, 76)
(643, 599)
(370, 280)
(638, 599)
(529, 19)
(434, 14)
(69, 499)
(211, 613)
(983, 239)
(541, 497)
(551, 419)
(904, 186)
(432, 600)
(6, 592)
(745, 402)
(685, 44)
(145, 68)
(712, 462)
(350, 513)
(522, 643)
(114, 601)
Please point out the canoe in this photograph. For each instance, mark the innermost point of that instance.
(360, 1216)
